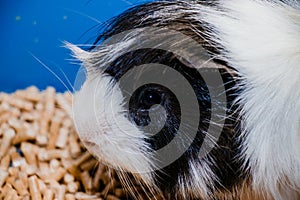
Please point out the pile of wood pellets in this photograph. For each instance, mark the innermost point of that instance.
(41, 156)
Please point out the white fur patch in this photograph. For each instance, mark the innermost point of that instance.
(103, 127)
(261, 40)
(198, 182)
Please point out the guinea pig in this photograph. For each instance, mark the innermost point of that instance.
(197, 99)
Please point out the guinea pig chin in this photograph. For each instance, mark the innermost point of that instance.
(105, 130)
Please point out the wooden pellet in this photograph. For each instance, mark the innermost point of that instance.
(74, 146)
(48, 195)
(54, 185)
(30, 94)
(25, 135)
(42, 140)
(30, 151)
(54, 131)
(62, 138)
(4, 117)
(48, 112)
(54, 165)
(4, 107)
(81, 195)
(82, 158)
(11, 194)
(72, 187)
(15, 112)
(89, 165)
(30, 116)
(4, 163)
(4, 190)
(64, 104)
(29, 169)
(34, 188)
(111, 197)
(58, 174)
(105, 178)
(61, 192)
(70, 197)
(43, 171)
(67, 123)
(98, 175)
(68, 178)
(119, 192)
(11, 179)
(75, 171)
(16, 124)
(3, 175)
(45, 155)
(39, 106)
(20, 187)
(3, 127)
(106, 190)
(24, 179)
(49, 103)
(42, 186)
(17, 160)
(19, 103)
(86, 181)
(8, 136)
(54, 128)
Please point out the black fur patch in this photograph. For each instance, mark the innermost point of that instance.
(226, 167)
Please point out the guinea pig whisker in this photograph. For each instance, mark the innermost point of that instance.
(98, 23)
(86, 16)
(126, 183)
(128, 2)
(67, 79)
(52, 72)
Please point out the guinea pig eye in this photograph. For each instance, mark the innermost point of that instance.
(145, 100)
(151, 97)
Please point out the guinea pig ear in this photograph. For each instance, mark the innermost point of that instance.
(83, 56)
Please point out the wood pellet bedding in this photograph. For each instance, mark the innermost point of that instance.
(41, 156)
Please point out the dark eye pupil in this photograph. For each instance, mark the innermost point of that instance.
(151, 98)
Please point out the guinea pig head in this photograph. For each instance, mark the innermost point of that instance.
(161, 110)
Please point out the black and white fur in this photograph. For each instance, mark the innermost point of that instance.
(256, 44)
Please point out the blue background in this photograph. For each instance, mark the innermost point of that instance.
(39, 28)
